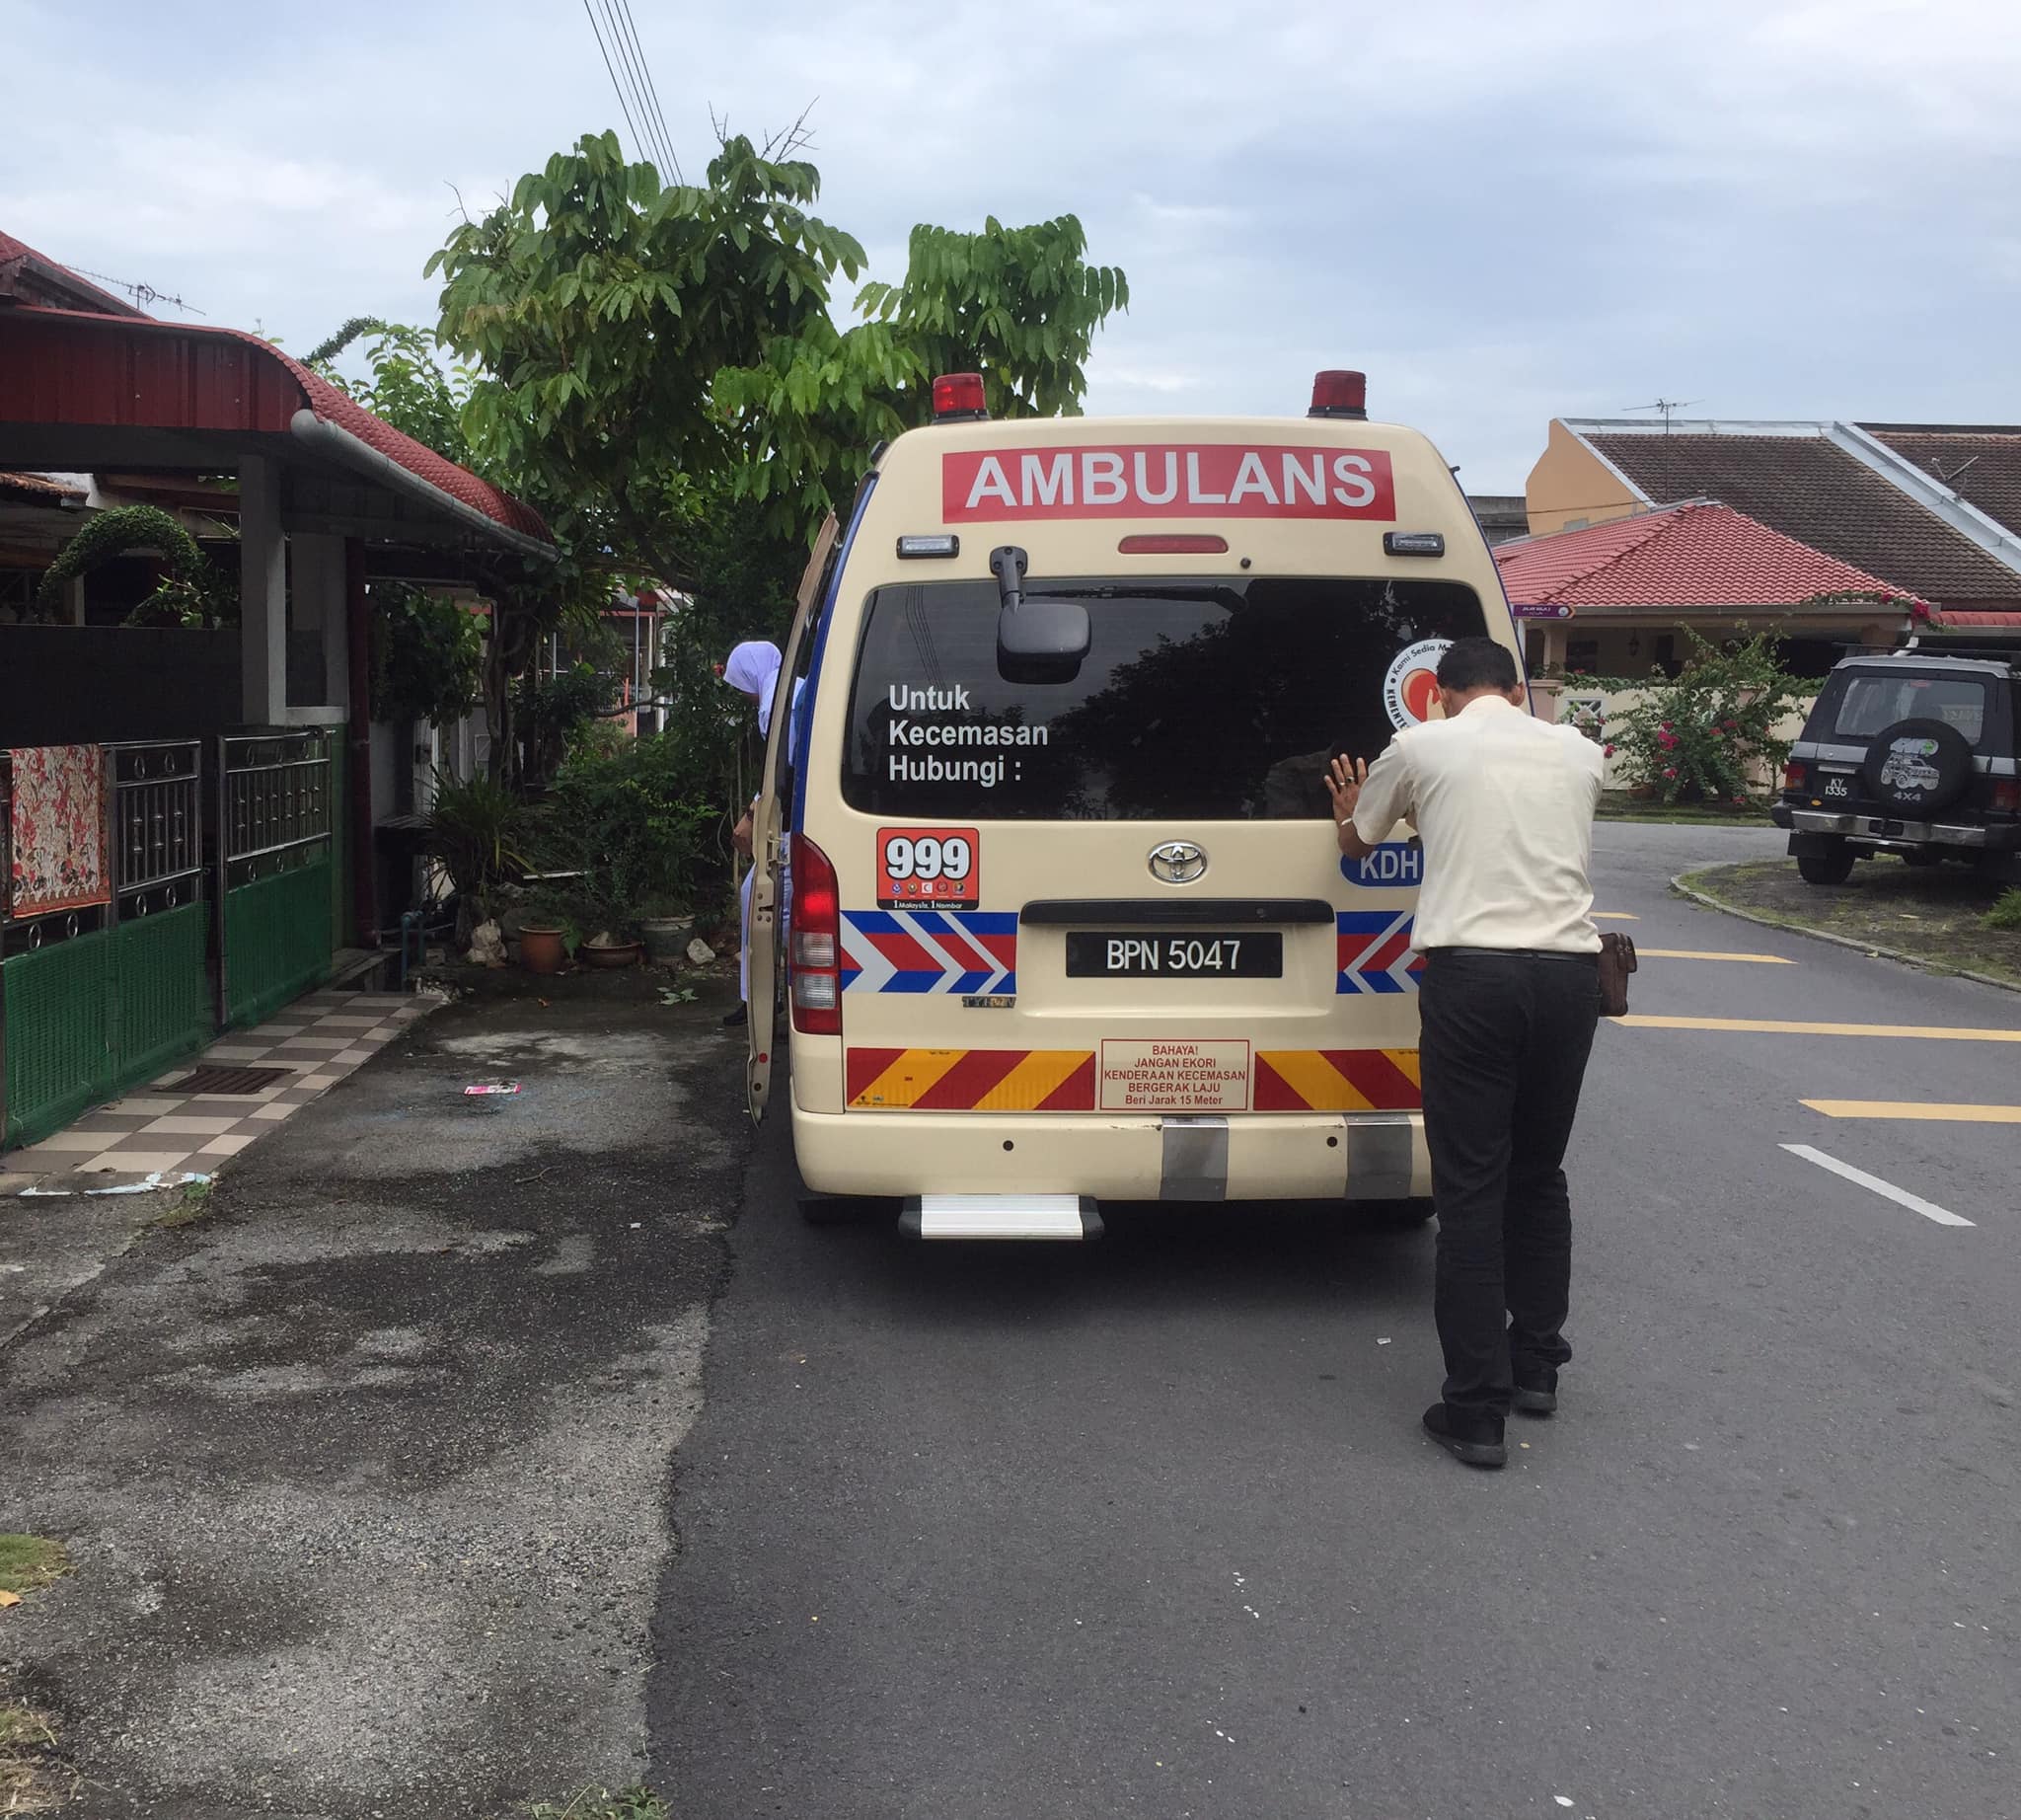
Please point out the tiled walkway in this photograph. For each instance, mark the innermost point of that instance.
(318, 1039)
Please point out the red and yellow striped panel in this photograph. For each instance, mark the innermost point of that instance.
(971, 1080)
(1338, 1081)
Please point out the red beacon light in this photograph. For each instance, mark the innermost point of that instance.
(958, 398)
(1339, 394)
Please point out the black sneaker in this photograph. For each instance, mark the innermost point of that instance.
(1536, 1391)
(742, 1015)
(1473, 1440)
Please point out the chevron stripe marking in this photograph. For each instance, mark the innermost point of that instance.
(1046, 1080)
(1338, 1081)
(971, 1080)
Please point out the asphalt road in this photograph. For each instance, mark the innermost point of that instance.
(1148, 1528)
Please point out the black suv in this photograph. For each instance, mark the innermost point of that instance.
(1910, 752)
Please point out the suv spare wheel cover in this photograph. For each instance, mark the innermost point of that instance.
(1917, 767)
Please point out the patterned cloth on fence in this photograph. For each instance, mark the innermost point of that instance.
(59, 829)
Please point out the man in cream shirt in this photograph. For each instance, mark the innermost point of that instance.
(1510, 1001)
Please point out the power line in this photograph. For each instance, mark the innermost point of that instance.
(666, 138)
(613, 74)
(652, 147)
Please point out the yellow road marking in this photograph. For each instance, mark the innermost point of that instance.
(1934, 1033)
(1917, 1108)
(1692, 953)
(1616, 916)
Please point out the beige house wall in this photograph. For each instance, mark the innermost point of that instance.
(1571, 487)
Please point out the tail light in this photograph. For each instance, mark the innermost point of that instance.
(1796, 774)
(2007, 795)
(816, 925)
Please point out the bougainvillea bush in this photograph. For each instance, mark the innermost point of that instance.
(1707, 735)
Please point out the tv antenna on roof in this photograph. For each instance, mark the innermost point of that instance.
(1667, 406)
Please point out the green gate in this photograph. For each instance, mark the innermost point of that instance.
(276, 844)
(95, 1001)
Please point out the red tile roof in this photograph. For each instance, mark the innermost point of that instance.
(1808, 489)
(1698, 555)
(36, 489)
(31, 278)
(1980, 464)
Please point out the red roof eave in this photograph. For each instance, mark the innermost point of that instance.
(229, 380)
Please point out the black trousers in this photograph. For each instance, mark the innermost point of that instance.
(1503, 1054)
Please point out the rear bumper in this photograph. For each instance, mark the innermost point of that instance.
(1317, 1156)
(1999, 837)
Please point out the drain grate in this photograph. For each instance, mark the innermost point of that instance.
(216, 1078)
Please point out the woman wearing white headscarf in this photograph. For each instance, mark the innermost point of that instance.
(752, 669)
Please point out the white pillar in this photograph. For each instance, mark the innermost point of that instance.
(263, 596)
(317, 582)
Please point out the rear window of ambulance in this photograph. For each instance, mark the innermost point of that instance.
(1201, 698)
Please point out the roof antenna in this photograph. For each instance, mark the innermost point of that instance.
(1667, 406)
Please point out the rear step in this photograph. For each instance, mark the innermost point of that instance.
(1002, 1216)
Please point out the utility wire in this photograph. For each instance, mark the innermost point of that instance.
(613, 74)
(666, 138)
(653, 148)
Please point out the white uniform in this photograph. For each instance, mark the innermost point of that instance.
(1504, 805)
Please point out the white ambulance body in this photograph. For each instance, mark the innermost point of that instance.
(1068, 919)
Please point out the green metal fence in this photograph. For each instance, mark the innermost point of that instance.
(97, 1000)
(275, 808)
(60, 1049)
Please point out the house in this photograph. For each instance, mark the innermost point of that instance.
(1933, 511)
(1613, 600)
(1500, 516)
(1621, 598)
(189, 816)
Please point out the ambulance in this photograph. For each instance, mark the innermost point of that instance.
(1066, 921)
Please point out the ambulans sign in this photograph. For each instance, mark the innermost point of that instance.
(1167, 480)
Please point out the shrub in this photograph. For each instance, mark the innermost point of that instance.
(1704, 735)
(2006, 911)
(477, 829)
(637, 824)
(427, 657)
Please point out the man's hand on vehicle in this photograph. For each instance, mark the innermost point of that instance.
(740, 835)
(1344, 780)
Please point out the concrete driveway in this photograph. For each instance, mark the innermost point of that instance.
(365, 1474)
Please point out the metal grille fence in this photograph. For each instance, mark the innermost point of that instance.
(157, 825)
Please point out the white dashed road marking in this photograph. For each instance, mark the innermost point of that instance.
(1902, 1197)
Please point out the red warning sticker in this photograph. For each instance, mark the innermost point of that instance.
(929, 865)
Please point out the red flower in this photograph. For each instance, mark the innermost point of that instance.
(1608, 751)
(1672, 772)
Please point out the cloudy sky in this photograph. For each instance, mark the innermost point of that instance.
(1504, 213)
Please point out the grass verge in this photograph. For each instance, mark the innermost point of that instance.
(191, 1206)
(1935, 916)
(30, 1563)
(34, 1779)
(602, 1804)
(1619, 806)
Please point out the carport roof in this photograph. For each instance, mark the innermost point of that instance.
(1697, 554)
(81, 390)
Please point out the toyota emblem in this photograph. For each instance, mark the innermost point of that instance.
(1178, 862)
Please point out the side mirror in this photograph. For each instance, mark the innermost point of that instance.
(1038, 639)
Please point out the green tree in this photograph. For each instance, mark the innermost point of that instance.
(1020, 306)
(645, 353)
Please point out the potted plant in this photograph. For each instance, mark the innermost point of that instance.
(666, 927)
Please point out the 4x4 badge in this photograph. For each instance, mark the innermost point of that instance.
(1178, 862)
